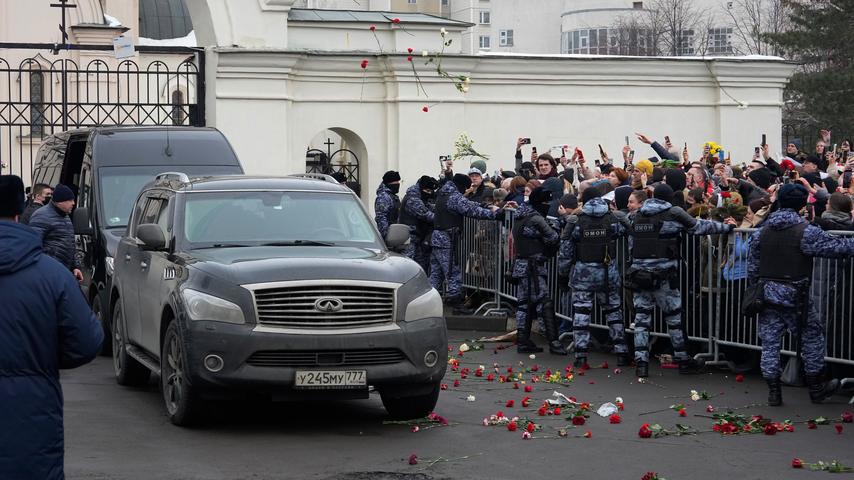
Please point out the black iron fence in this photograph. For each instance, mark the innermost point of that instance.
(41, 95)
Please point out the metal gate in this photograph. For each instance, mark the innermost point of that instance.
(318, 161)
(45, 91)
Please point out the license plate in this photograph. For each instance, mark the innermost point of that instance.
(331, 379)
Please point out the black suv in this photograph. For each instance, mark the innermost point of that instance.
(106, 167)
(279, 286)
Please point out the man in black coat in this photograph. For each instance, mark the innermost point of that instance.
(54, 225)
(45, 326)
(40, 197)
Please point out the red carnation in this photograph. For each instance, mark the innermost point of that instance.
(770, 429)
(578, 420)
(739, 378)
(812, 425)
(838, 428)
(409, 58)
(557, 411)
(395, 20)
(787, 164)
(409, 49)
(529, 389)
(535, 368)
(425, 109)
(531, 427)
(644, 431)
(604, 365)
(797, 463)
(373, 28)
(509, 369)
(515, 385)
(511, 426)
(682, 412)
(847, 417)
(413, 459)
(364, 64)
(525, 401)
(588, 434)
(456, 383)
(490, 377)
(509, 404)
(444, 386)
(478, 373)
(542, 411)
(614, 418)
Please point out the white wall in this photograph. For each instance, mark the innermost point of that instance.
(271, 104)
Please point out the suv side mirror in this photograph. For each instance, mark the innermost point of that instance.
(151, 236)
(80, 220)
(398, 235)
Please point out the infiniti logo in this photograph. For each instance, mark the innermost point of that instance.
(328, 304)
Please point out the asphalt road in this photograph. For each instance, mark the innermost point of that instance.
(114, 432)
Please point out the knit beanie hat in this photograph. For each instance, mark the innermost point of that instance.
(390, 177)
(462, 181)
(569, 201)
(793, 195)
(676, 179)
(479, 164)
(762, 177)
(61, 193)
(11, 196)
(621, 196)
(644, 166)
(663, 192)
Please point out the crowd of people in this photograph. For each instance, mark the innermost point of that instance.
(575, 209)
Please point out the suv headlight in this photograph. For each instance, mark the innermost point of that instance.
(201, 306)
(428, 305)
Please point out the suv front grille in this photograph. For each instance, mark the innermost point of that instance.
(332, 306)
(339, 358)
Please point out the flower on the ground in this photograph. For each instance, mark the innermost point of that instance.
(838, 428)
(531, 427)
(710, 409)
(683, 413)
(531, 356)
(644, 431)
(588, 434)
(515, 385)
(542, 411)
(509, 404)
(695, 396)
(651, 476)
(490, 377)
(770, 429)
(464, 347)
(797, 463)
(604, 365)
(739, 378)
(535, 368)
(485, 422)
(557, 411)
(578, 420)
(526, 401)
(511, 426)
(456, 383)
(413, 459)
(443, 386)
(470, 398)
(415, 428)
(614, 418)
(526, 435)
(529, 389)
(847, 417)
(812, 425)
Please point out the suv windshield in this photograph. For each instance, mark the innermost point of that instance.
(276, 218)
(120, 186)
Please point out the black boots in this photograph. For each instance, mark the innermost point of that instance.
(580, 361)
(642, 369)
(524, 344)
(775, 392)
(623, 360)
(690, 366)
(550, 322)
(821, 390)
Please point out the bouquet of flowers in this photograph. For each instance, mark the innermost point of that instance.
(465, 148)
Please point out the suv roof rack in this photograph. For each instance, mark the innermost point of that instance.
(315, 176)
(179, 176)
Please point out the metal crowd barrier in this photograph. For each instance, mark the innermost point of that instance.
(712, 278)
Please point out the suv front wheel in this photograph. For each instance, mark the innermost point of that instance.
(410, 407)
(183, 405)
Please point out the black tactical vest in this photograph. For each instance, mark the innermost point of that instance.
(647, 241)
(526, 247)
(780, 255)
(446, 219)
(421, 227)
(596, 243)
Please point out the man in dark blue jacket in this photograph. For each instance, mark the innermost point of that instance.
(53, 223)
(45, 325)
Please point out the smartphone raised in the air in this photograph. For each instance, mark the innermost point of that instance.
(763, 140)
(526, 141)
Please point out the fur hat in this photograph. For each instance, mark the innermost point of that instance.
(792, 195)
(428, 183)
(462, 181)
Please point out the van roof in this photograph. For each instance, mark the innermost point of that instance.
(159, 145)
(243, 182)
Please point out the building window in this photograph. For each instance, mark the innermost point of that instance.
(720, 40)
(637, 5)
(606, 41)
(178, 114)
(484, 42)
(685, 43)
(505, 38)
(36, 103)
(412, 2)
(484, 17)
(444, 3)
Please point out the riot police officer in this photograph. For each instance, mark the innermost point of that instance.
(451, 208)
(534, 240)
(780, 257)
(387, 203)
(417, 212)
(588, 249)
(655, 240)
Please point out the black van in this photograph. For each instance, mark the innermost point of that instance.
(107, 167)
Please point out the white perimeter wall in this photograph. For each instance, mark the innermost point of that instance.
(270, 104)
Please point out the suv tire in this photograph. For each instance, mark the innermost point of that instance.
(129, 372)
(98, 310)
(411, 407)
(183, 405)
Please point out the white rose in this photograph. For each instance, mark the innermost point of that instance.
(443, 32)
(464, 347)
(470, 398)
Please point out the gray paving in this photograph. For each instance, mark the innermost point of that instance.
(114, 432)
